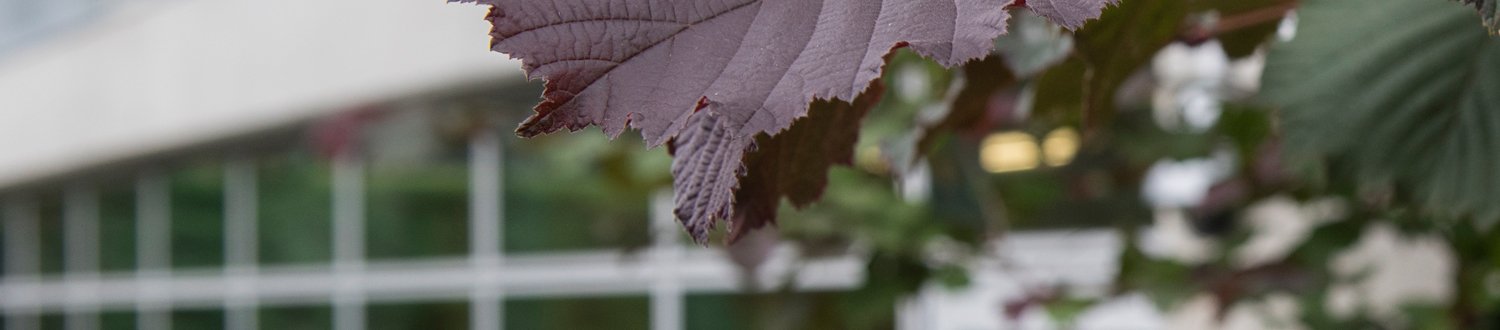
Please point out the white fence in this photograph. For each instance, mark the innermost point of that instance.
(665, 272)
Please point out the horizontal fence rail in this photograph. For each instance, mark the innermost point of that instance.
(580, 274)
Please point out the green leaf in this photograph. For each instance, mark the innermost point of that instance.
(1412, 105)
(1122, 41)
(1032, 44)
(973, 107)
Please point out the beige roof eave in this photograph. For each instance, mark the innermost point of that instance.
(152, 76)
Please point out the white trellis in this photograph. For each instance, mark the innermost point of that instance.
(665, 272)
(668, 271)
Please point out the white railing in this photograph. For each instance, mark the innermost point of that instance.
(665, 272)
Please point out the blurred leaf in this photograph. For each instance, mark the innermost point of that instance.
(1413, 106)
(1243, 25)
(975, 107)
(953, 276)
(1329, 240)
(1066, 310)
(1117, 45)
(1032, 44)
(1428, 316)
(1247, 127)
(962, 198)
(1058, 92)
(1167, 283)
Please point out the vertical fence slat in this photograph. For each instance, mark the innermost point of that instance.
(240, 243)
(666, 290)
(486, 249)
(153, 251)
(81, 254)
(22, 258)
(349, 240)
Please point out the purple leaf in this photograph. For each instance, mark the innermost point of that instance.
(1070, 14)
(709, 75)
(794, 164)
(705, 172)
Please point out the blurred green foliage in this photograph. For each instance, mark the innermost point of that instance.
(295, 205)
(632, 312)
(116, 226)
(50, 227)
(579, 191)
(402, 197)
(1349, 118)
(197, 213)
(443, 315)
(297, 317)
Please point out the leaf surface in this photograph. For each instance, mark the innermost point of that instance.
(795, 163)
(1070, 14)
(709, 75)
(1413, 108)
(713, 74)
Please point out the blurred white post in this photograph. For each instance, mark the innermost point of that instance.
(81, 253)
(666, 250)
(485, 228)
(22, 258)
(153, 254)
(240, 243)
(349, 240)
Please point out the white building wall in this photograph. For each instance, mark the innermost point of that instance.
(146, 76)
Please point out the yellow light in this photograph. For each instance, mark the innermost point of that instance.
(1060, 146)
(871, 160)
(1008, 152)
